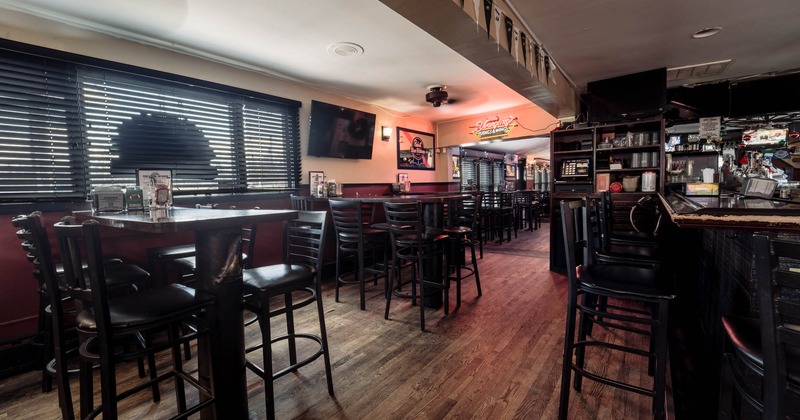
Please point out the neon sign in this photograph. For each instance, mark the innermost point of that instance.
(493, 128)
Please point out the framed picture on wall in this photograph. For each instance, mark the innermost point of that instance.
(415, 150)
(456, 166)
(511, 171)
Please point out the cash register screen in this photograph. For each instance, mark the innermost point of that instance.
(575, 168)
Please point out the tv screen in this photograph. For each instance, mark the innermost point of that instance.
(340, 132)
(627, 97)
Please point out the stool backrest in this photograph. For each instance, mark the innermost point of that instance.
(347, 218)
(87, 285)
(404, 218)
(37, 244)
(491, 199)
(301, 203)
(778, 276)
(578, 245)
(464, 212)
(523, 197)
(606, 211)
(304, 239)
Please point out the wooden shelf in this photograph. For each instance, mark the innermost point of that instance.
(629, 148)
(601, 171)
(573, 152)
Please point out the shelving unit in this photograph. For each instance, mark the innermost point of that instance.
(637, 146)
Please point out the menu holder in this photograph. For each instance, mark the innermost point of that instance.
(156, 187)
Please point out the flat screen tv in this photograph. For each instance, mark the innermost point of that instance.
(340, 132)
(627, 97)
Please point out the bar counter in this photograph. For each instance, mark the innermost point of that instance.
(731, 211)
(709, 241)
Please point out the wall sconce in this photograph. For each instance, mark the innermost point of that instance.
(386, 133)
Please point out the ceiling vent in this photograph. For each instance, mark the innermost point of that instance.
(697, 70)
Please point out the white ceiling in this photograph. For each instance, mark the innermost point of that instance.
(589, 40)
(290, 39)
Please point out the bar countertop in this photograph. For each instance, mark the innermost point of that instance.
(731, 211)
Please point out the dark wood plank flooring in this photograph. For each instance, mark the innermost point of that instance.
(497, 356)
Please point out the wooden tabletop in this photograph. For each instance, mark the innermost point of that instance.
(180, 219)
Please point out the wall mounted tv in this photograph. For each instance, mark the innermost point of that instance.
(340, 132)
(627, 97)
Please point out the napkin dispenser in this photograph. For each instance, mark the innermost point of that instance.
(108, 199)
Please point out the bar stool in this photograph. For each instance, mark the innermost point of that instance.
(626, 284)
(499, 210)
(524, 210)
(120, 278)
(357, 241)
(413, 242)
(103, 323)
(462, 232)
(766, 348)
(304, 243)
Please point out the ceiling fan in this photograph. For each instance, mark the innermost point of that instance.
(437, 95)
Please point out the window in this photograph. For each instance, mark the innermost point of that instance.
(469, 173)
(68, 125)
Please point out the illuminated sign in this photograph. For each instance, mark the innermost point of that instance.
(493, 128)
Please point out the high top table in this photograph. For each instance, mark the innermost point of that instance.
(219, 272)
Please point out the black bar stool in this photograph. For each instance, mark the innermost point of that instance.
(628, 285)
(103, 323)
(412, 241)
(357, 241)
(462, 231)
(300, 272)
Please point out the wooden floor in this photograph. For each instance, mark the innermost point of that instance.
(497, 356)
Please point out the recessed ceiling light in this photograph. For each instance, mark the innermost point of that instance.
(707, 32)
(345, 49)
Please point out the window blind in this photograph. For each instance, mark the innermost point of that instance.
(67, 127)
(485, 174)
(469, 172)
(498, 173)
(39, 129)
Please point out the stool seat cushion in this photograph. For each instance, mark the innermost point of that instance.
(189, 264)
(147, 307)
(369, 235)
(121, 275)
(176, 251)
(745, 335)
(644, 282)
(458, 230)
(278, 279)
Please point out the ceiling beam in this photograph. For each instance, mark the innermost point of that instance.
(444, 20)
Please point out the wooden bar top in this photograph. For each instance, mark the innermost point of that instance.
(731, 212)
